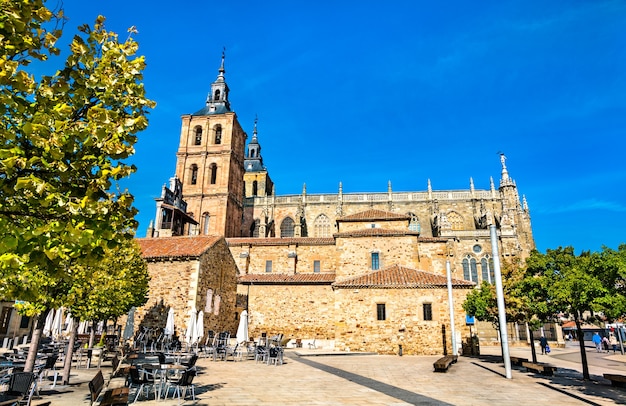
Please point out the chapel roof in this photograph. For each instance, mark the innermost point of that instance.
(176, 247)
(373, 214)
(399, 277)
(287, 279)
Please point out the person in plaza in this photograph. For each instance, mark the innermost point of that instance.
(613, 342)
(597, 340)
(543, 342)
(605, 344)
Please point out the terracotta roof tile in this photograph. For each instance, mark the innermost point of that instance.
(374, 232)
(281, 241)
(285, 279)
(373, 214)
(176, 247)
(399, 277)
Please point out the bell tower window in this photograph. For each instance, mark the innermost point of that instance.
(194, 174)
(217, 95)
(255, 188)
(218, 134)
(198, 136)
(213, 169)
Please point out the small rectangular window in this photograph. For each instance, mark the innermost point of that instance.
(316, 266)
(375, 261)
(428, 311)
(268, 266)
(380, 311)
(24, 322)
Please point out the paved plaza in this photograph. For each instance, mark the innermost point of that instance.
(316, 377)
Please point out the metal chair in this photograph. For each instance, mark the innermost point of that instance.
(22, 385)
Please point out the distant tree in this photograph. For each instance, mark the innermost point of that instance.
(573, 284)
(107, 290)
(63, 139)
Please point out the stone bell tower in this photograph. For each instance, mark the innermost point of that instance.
(209, 163)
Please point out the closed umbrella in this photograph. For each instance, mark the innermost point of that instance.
(57, 323)
(169, 324)
(129, 328)
(47, 328)
(191, 327)
(82, 327)
(199, 326)
(70, 326)
(242, 330)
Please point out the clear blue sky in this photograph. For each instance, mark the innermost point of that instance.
(364, 93)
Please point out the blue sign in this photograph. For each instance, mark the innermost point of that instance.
(469, 320)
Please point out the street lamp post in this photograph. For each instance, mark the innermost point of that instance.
(500, 300)
(451, 304)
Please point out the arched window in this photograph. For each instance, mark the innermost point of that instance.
(218, 134)
(287, 228)
(474, 270)
(455, 220)
(194, 174)
(255, 187)
(321, 226)
(217, 95)
(470, 272)
(198, 133)
(213, 169)
(254, 230)
(205, 223)
(414, 224)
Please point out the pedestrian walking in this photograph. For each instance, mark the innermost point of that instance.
(543, 342)
(597, 340)
(613, 342)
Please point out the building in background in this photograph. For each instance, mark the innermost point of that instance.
(352, 271)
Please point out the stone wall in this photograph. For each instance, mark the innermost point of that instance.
(358, 329)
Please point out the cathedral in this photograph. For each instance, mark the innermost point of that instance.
(345, 271)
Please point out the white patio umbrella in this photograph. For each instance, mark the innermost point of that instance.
(70, 326)
(47, 328)
(57, 323)
(82, 327)
(199, 326)
(242, 330)
(169, 324)
(129, 328)
(191, 327)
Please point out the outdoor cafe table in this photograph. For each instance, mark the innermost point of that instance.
(160, 372)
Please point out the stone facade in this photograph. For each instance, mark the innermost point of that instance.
(357, 271)
(182, 271)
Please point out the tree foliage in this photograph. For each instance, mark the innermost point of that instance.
(64, 139)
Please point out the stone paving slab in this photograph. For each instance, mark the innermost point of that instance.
(328, 379)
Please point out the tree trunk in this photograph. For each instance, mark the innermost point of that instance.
(92, 335)
(69, 354)
(581, 342)
(38, 322)
(533, 350)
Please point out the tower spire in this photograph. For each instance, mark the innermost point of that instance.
(217, 99)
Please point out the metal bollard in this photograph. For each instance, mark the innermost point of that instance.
(400, 349)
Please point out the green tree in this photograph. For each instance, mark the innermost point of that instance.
(573, 285)
(107, 290)
(63, 142)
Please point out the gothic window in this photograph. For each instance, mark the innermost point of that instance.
(322, 226)
(414, 224)
(205, 223)
(474, 270)
(254, 230)
(198, 133)
(287, 228)
(217, 95)
(484, 266)
(218, 134)
(455, 220)
(255, 187)
(194, 174)
(213, 169)
(466, 272)
(375, 261)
